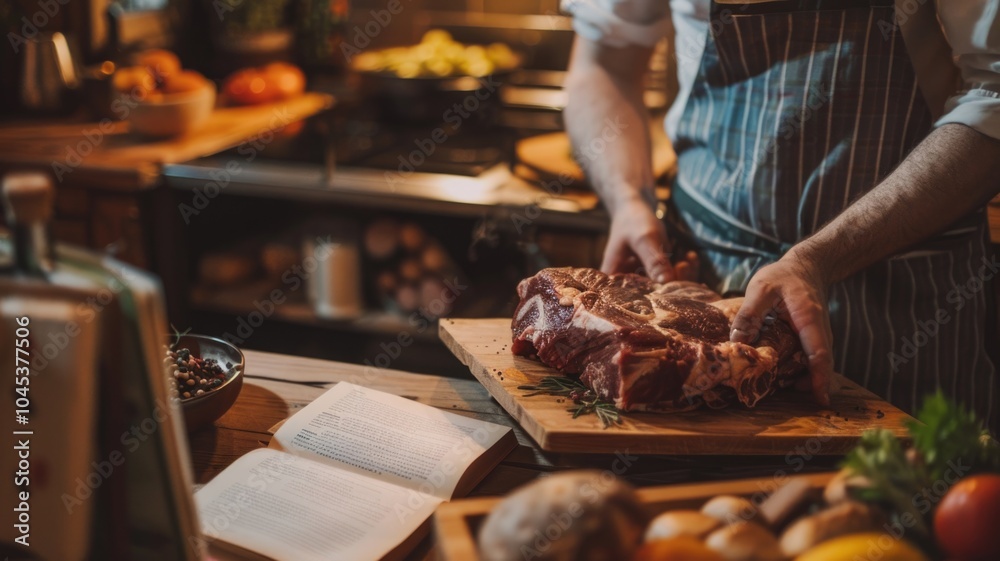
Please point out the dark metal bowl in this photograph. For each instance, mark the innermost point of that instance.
(201, 411)
(427, 99)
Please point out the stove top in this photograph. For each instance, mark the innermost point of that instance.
(335, 140)
(347, 151)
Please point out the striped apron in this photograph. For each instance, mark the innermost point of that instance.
(796, 113)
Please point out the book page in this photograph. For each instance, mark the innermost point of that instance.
(291, 508)
(389, 437)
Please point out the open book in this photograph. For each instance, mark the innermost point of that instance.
(357, 475)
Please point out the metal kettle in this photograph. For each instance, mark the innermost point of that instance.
(49, 74)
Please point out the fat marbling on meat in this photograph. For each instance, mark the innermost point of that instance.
(647, 346)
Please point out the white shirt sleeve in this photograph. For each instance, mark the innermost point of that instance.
(619, 23)
(973, 31)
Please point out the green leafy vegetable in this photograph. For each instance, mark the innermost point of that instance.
(948, 443)
(892, 480)
(948, 432)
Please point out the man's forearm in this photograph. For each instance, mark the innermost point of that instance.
(608, 123)
(952, 172)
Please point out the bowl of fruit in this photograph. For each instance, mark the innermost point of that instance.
(161, 99)
(437, 79)
(205, 374)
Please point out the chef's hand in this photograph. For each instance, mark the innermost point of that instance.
(638, 243)
(793, 289)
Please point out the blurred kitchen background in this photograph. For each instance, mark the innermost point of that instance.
(419, 192)
(342, 225)
(404, 185)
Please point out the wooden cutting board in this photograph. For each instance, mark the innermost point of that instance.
(546, 157)
(457, 523)
(788, 424)
(110, 147)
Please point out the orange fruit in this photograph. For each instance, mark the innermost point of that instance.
(135, 81)
(185, 81)
(162, 63)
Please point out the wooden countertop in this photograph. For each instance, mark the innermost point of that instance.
(105, 153)
(277, 386)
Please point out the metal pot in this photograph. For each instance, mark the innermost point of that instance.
(455, 100)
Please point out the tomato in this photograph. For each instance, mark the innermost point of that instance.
(288, 80)
(966, 521)
(247, 87)
(273, 82)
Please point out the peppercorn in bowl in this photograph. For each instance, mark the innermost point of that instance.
(205, 375)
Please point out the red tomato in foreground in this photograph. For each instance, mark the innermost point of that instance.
(276, 81)
(967, 522)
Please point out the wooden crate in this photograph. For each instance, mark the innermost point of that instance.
(456, 524)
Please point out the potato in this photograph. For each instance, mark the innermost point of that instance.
(788, 501)
(839, 488)
(844, 518)
(729, 509)
(679, 523)
(745, 541)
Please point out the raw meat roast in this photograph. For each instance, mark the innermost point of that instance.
(647, 346)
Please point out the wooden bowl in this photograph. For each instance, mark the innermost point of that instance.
(173, 114)
(201, 411)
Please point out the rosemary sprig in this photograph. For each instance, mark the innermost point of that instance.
(555, 385)
(584, 399)
(605, 411)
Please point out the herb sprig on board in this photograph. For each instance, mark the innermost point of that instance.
(585, 400)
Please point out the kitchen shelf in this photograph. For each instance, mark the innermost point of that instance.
(347, 187)
(296, 310)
